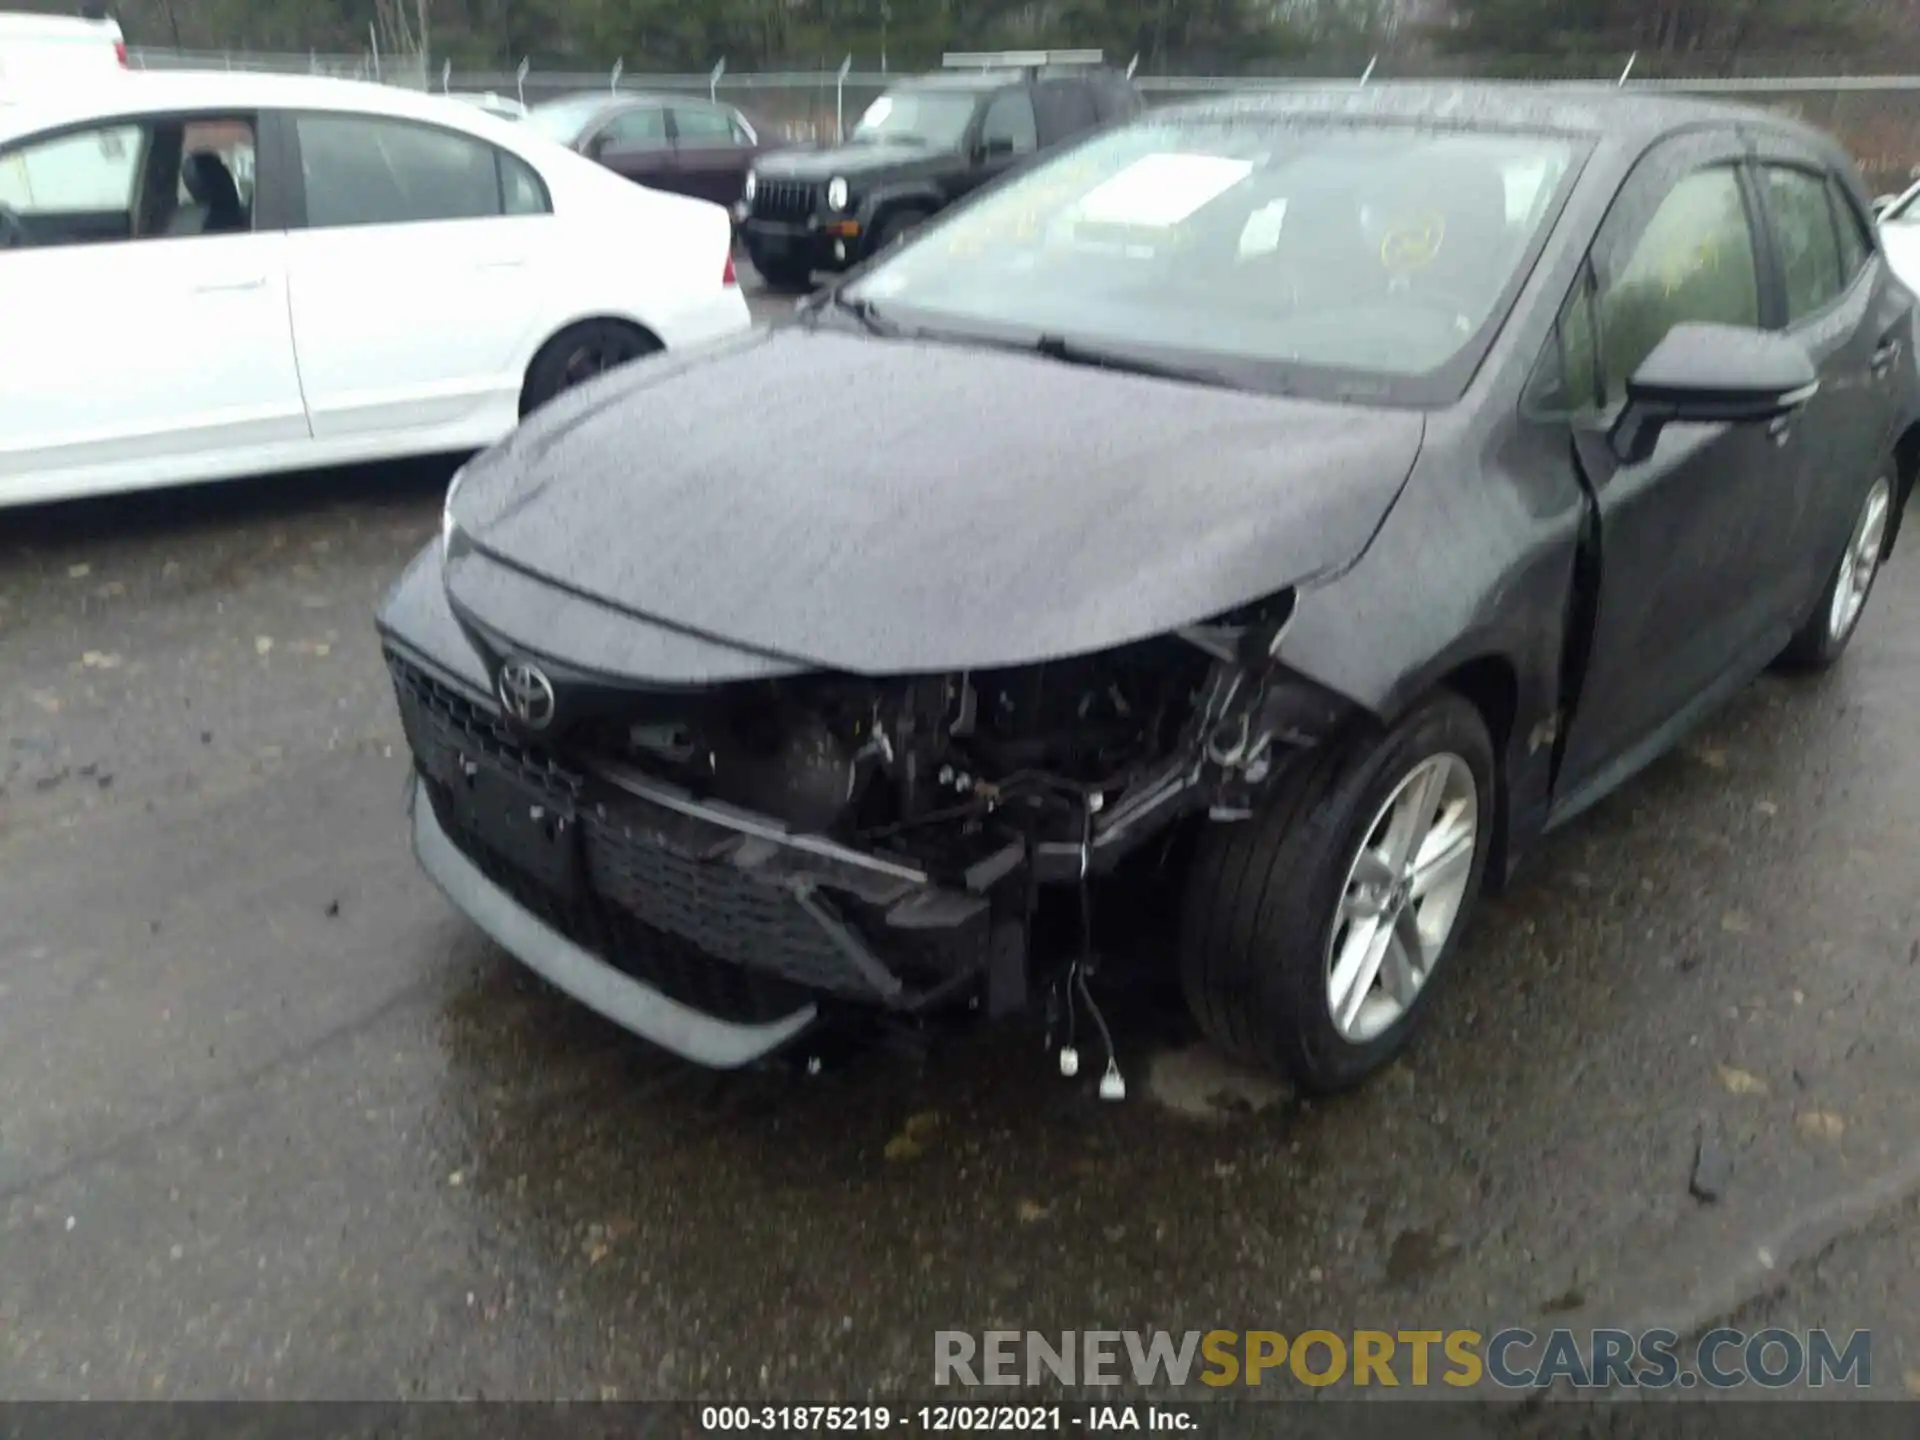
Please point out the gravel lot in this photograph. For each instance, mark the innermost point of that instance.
(277, 1123)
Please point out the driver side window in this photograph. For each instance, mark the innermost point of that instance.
(1693, 262)
(77, 187)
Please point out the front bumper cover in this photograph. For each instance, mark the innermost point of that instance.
(793, 243)
(715, 933)
(629, 1003)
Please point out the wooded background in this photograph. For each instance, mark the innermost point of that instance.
(1545, 38)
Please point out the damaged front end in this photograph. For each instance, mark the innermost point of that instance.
(763, 853)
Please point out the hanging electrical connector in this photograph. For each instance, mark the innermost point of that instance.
(1113, 1085)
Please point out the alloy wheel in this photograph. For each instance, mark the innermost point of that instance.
(1404, 890)
(1861, 562)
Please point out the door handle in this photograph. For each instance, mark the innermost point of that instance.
(511, 262)
(1886, 357)
(217, 287)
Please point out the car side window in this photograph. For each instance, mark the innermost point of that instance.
(1809, 245)
(641, 129)
(214, 192)
(1010, 117)
(367, 170)
(1116, 99)
(521, 191)
(1065, 108)
(74, 188)
(697, 125)
(1693, 262)
(1856, 236)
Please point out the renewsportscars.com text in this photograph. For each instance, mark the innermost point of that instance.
(1512, 1359)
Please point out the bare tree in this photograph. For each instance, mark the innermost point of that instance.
(402, 26)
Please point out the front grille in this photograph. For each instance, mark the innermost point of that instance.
(784, 199)
(439, 717)
(696, 927)
(673, 966)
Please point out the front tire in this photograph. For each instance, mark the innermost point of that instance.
(1314, 935)
(1823, 639)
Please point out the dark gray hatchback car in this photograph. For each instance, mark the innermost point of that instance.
(1323, 495)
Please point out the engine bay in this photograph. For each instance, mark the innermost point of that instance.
(945, 769)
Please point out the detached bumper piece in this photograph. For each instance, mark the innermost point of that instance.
(714, 933)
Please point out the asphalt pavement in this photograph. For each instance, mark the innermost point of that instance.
(275, 1122)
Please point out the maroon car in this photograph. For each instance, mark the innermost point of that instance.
(671, 142)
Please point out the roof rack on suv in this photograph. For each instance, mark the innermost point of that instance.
(1019, 59)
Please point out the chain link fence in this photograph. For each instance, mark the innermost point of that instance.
(408, 70)
(1877, 116)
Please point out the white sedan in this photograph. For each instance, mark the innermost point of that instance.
(211, 275)
(1899, 220)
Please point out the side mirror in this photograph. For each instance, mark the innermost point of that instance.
(597, 146)
(1711, 375)
(995, 147)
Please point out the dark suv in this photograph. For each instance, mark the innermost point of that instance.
(921, 146)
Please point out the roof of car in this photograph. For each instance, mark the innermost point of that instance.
(993, 79)
(1597, 109)
(137, 91)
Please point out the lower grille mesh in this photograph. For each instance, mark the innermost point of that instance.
(698, 929)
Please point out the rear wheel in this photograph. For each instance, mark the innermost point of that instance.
(579, 353)
(1314, 934)
(1836, 615)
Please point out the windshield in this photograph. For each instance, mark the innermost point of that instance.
(936, 119)
(1251, 248)
(563, 120)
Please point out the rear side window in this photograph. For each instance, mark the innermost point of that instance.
(1809, 245)
(365, 170)
(1116, 98)
(1009, 117)
(643, 129)
(701, 126)
(1065, 109)
(1856, 236)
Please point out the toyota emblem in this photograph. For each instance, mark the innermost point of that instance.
(527, 694)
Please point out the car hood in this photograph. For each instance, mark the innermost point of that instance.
(883, 506)
(851, 161)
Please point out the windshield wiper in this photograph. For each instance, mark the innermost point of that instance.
(861, 310)
(1071, 352)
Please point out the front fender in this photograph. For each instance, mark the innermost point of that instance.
(1471, 573)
